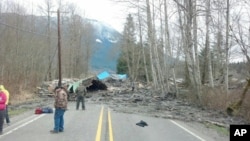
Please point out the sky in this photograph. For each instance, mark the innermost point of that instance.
(106, 11)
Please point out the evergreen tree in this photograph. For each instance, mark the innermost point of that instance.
(128, 57)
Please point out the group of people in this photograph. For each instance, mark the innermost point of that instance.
(4, 101)
(61, 103)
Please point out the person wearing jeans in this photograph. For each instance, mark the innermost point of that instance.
(59, 120)
(60, 108)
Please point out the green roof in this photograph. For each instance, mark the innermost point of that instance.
(75, 85)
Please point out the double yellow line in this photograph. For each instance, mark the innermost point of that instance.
(99, 129)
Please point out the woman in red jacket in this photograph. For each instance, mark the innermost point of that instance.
(2, 110)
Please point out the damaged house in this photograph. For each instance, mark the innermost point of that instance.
(95, 83)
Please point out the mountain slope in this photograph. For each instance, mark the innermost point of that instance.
(106, 47)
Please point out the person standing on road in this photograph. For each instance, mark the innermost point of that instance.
(80, 93)
(2, 88)
(61, 102)
(3, 99)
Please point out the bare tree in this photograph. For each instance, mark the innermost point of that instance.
(140, 26)
(190, 58)
(227, 46)
(169, 48)
(47, 10)
(87, 36)
(78, 49)
(151, 42)
(207, 45)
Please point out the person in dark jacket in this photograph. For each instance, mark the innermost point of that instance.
(3, 99)
(80, 93)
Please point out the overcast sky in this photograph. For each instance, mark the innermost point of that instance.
(103, 10)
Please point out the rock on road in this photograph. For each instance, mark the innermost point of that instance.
(99, 123)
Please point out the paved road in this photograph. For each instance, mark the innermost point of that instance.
(98, 123)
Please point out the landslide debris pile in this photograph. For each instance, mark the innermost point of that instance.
(143, 100)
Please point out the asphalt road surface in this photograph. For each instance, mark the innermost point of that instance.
(98, 123)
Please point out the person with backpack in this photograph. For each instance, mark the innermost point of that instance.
(80, 93)
(2, 88)
(3, 99)
(60, 104)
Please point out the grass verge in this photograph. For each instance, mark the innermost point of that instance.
(220, 129)
(15, 112)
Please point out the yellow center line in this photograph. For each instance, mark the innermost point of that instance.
(110, 127)
(99, 129)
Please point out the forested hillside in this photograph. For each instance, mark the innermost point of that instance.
(29, 46)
